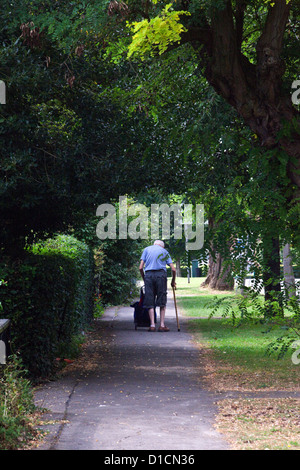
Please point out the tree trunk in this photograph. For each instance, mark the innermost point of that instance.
(289, 278)
(178, 268)
(219, 272)
(254, 89)
(271, 277)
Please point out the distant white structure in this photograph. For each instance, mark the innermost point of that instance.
(249, 283)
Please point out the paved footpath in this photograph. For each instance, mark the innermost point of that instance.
(145, 393)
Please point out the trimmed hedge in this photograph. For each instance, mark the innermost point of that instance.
(48, 296)
(117, 271)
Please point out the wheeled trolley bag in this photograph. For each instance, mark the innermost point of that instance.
(141, 314)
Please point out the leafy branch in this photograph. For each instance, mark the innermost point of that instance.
(156, 34)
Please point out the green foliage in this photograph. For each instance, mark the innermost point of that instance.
(250, 307)
(116, 264)
(78, 130)
(81, 257)
(156, 34)
(49, 298)
(281, 346)
(66, 145)
(118, 274)
(98, 306)
(72, 349)
(16, 405)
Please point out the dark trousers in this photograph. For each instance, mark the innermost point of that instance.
(155, 288)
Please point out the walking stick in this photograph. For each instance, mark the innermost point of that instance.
(176, 309)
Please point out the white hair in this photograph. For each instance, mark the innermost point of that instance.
(160, 243)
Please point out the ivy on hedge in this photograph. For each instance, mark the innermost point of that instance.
(48, 296)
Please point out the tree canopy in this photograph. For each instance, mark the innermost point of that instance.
(184, 97)
(248, 52)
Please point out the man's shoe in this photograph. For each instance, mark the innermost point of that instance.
(152, 328)
(163, 328)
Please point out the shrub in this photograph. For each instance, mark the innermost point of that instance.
(117, 271)
(48, 296)
(80, 268)
(16, 405)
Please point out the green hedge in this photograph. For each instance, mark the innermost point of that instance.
(118, 272)
(49, 298)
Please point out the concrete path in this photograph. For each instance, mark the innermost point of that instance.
(145, 393)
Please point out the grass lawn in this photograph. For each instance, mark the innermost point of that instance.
(235, 360)
(240, 349)
(196, 301)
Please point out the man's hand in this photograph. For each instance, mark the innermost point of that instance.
(173, 270)
(141, 268)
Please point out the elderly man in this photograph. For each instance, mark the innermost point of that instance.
(154, 260)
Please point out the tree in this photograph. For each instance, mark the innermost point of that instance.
(139, 125)
(247, 51)
(65, 146)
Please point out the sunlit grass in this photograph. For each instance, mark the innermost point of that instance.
(196, 301)
(239, 348)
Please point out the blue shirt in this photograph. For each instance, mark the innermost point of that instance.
(156, 257)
